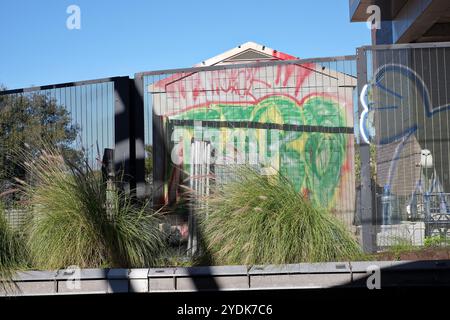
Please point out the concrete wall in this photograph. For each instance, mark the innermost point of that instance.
(234, 278)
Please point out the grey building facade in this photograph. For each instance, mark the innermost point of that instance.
(406, 21)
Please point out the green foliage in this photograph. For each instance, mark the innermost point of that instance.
(148, 161)
(436, 241)
(400, 246)
(77, 220)
(257, 219)
(177, 258)
(26, 121)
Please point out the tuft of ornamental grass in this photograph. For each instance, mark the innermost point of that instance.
(12, 251)
(77, 220)
(257, 219)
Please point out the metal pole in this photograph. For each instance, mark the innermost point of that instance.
(365, 208)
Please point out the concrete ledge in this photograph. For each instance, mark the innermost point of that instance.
(118, 280)
(162, 279)
(28, 288)
(299, 281)
(218, 278)
(87, 281)
(138, 280)
(35, 275)
(404, 273)
(85, 274)
(298, 276)
(274, 269)
(84, 286)
(212, 278)
(212, 271)
(328, 267)
(31, 283)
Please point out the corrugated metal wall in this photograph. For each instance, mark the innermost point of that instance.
(91, 111)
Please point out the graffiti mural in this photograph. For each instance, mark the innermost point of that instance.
(312, 160)
(398, 111)
(406, 116)
(296, 119)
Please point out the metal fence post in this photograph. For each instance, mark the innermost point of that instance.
(364, 149)
(123, 156)
(137, 131)
(159, 159)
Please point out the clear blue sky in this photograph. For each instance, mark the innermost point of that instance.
(124, 37)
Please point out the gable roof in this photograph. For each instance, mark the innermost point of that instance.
(247, 52)
(185, 90)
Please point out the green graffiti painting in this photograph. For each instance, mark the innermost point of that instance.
(311, 160)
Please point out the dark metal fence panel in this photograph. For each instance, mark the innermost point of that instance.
(295, 117)
(106, 114)
(405, 119)
(91, 107)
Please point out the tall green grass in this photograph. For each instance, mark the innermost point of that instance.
(12, 250)
(257, 219)
(70, 223)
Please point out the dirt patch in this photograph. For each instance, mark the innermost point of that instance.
(419, 254)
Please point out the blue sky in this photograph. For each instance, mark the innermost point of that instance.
(124, 37)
